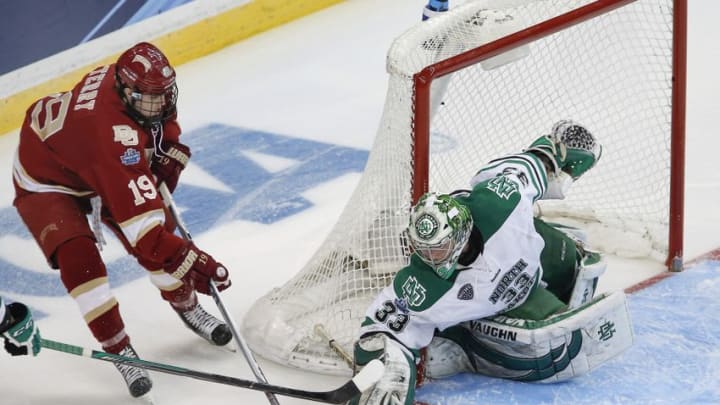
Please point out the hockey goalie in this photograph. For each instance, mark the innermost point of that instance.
(491, 289)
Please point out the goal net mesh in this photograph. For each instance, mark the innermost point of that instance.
(612, 73)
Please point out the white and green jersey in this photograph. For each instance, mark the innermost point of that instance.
(497, 279)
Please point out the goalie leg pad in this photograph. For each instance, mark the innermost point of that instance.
(397, 385)
(558, 348)
(578, 235)
(591, 267)
(446, 357)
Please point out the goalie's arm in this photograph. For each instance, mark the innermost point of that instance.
(552, 163)
(526, 170)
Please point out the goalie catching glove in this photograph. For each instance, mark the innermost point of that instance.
(570, 150)
(397, 385)
(194, 266)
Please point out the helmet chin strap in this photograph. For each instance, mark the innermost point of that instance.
(155, 127)
(156, 130)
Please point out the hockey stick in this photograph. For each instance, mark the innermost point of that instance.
(351, 389)
(254, 366)
(320, 331)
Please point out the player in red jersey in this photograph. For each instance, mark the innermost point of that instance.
(97, 154)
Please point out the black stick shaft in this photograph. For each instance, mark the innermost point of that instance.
(252, 362)
(338, 396)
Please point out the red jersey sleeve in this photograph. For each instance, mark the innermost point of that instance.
(171, 131)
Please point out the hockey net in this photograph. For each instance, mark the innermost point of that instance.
(478, 82)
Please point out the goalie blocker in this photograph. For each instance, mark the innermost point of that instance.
(555, 349)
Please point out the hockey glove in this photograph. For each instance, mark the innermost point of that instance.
(397, 385)
(194, 266)
(171, 162)
(569, 147)
(23, 336)
(568, 152)
(583, 150)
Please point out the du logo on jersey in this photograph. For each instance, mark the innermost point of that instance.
(248, 175)
(126, 135)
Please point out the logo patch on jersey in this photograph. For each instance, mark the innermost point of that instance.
(126, 135)
(426, 226)
(402, 305)
(414, 292)
(466, 292)
(503, 186)
(130, 157)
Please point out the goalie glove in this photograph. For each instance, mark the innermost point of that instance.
(582, 149)
(22, 337)
(568, 151)
(397, 385)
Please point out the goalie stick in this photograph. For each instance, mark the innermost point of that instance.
(254, 366)
(369, 375)
(320, 331)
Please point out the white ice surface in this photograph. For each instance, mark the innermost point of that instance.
(321, 78)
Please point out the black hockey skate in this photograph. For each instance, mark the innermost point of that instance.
(137, 379)
(206, 326)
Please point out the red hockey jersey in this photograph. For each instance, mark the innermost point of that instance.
(83, 143)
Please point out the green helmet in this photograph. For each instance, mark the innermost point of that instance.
(438, 231)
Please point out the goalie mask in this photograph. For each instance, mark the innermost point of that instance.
(146, 84)
(438, 231)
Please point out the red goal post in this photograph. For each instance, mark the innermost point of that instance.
(477, 82)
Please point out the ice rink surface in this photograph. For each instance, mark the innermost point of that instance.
(280, 126)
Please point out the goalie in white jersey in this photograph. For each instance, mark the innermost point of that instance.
(480, 253)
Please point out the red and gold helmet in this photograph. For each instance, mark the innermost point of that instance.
(146, 72)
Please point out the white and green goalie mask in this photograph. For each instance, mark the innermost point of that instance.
(438, 231)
